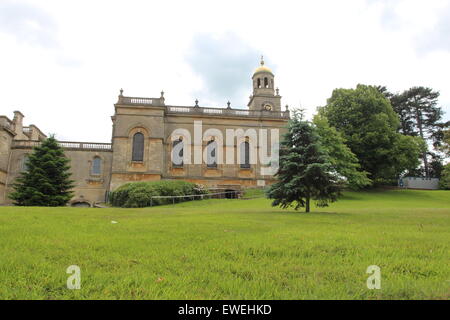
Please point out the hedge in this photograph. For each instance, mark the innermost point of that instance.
(139, 194)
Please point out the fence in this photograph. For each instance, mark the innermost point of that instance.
(232, 194)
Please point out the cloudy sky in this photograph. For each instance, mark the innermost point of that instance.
(63, 62)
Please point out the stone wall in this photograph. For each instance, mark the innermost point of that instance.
(157, 126)
(6, 137)
(89, 188)
(128, 121)
(156, 123)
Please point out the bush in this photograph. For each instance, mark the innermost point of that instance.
(139, 194)
(444, 182)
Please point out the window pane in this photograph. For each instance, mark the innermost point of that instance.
(138, 147)
(178, 155)
(245, 155)
(96, 165)
(24, 166)
(211, 154)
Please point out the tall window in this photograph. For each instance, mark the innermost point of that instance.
(266, 83)
(245, 155)
(259, 83)
(96, 166)
(24, 164)
(177, 149)
(138, 147)
(211, 149)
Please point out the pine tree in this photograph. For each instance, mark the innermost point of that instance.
(46, 182)
(445, 146)
(420, 116)
(304, 172)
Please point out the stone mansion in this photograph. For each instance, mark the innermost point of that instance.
(143, 140)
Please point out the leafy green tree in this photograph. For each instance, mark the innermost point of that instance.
(366, 120)
(444, 182)
(342, 159)
(436, 166)
(305, 171)
(445, 147)
(46, 182)
(405, 154)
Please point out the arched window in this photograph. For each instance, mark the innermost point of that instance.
(266, 82)
(24, 164)
(211, 149)
(259, 83)
(178, 149)
(138, 147)
(245, 155)
(96, 167)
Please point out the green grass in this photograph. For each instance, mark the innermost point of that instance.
(231, 249)
(253, 193)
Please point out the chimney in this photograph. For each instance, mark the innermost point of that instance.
(34, 136)
(18, 122)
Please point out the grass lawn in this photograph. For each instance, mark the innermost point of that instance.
(232, 249)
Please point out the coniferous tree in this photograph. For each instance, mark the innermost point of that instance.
(46, 181)
(421, 116)
(444, 182)
(422, 103)
(445, 147)
(305, 172)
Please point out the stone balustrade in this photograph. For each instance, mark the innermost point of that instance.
(6, 123)
(25, 144)
(137, 101)
(227, 112)
(196, 110)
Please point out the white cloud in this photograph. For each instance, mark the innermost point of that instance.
(27, 23)
(223, 68)
(97, 47)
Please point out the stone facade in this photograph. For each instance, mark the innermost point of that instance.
(101, 167)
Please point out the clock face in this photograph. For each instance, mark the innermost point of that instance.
(268, 107)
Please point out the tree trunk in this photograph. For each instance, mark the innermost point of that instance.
(420, 127)
(307, 204)
(425, 164)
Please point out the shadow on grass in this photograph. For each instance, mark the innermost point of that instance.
(300, 213)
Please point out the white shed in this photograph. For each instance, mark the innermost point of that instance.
(419, 183)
